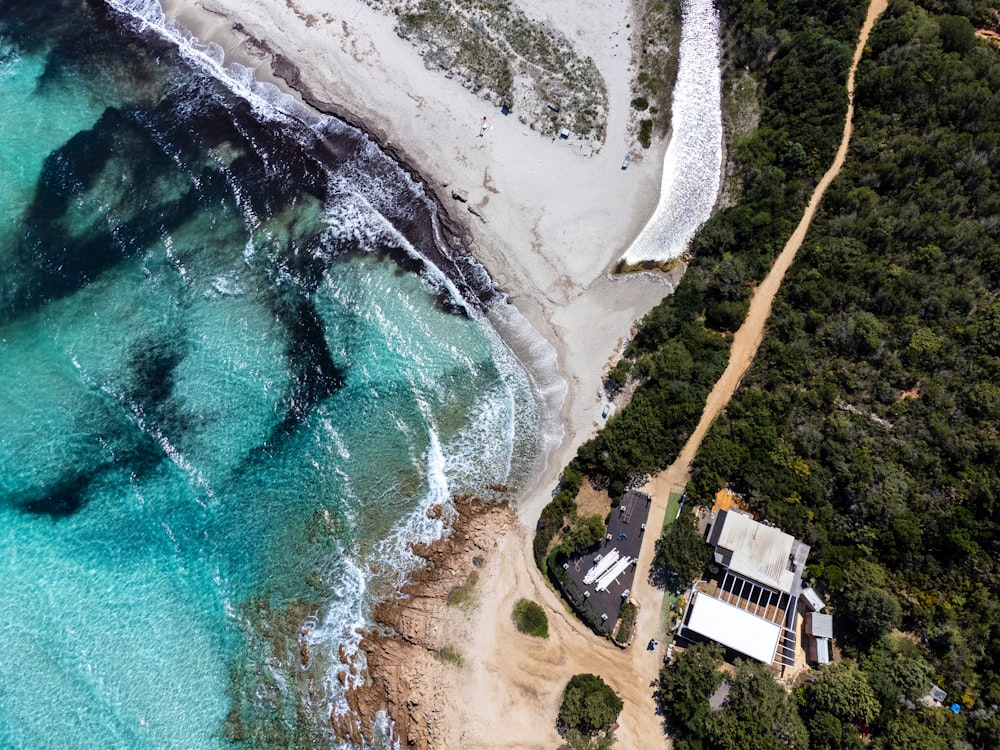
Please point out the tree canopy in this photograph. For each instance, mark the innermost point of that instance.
(687, 684)
(757, 714)
(842, 690)
(589, 705)
(682, 550)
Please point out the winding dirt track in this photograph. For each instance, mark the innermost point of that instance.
(516, 681)
(748, 338)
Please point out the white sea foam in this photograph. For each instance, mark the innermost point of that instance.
(342, 624)
(482, 451)
(10, 56)
(354, 216)
(362, 197)
(539, 361)
(692, 164)
(266, 99)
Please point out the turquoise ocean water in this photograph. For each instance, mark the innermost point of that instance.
(230, 389)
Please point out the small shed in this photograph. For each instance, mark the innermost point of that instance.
(812, 599)
(564, 133)
(819, 625)
(818, 650)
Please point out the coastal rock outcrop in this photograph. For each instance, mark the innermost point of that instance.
(404, 646)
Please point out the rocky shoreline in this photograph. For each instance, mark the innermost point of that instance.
(403, 649)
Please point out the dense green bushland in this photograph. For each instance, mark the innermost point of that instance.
(755, 713)
(869, 424)
(681, 348)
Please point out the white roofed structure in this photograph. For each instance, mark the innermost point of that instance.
(608, 578)
(733, 627)
(813, 600)
(750, 606)
(601, 567)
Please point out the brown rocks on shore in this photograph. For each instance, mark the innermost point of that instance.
(403, 649)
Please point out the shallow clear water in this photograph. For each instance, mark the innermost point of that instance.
(691, 166)
(225, 405)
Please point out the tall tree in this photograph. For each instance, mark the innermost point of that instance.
(757, 715)
(589, 704)
(687, 684)
(681, 549)
(842, 690)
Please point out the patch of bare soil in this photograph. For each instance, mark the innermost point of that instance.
(591, 501)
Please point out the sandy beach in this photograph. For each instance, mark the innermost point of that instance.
(548, 219)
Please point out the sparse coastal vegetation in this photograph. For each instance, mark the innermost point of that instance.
(505, 56)
(656, 55)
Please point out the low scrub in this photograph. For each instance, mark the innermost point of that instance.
(626, 623)
(464, 596)
(531, 619)
(451, 655)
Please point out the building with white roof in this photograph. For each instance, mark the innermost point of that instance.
(751, 607)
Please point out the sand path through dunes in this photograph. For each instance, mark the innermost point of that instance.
(515, 683)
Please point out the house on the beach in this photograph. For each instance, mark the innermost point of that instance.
(750, 606)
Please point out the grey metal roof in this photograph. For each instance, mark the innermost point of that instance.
(822, 651)
(819, 625)
(762, 553)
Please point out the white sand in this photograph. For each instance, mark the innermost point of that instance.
(554, 221)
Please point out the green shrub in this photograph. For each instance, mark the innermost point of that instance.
(589, 704)
(640, 103)
(584, 535)
(645, 133)
(619, 373)
(626, 622)
(555, 513)
(530, 618)
(451, 655)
